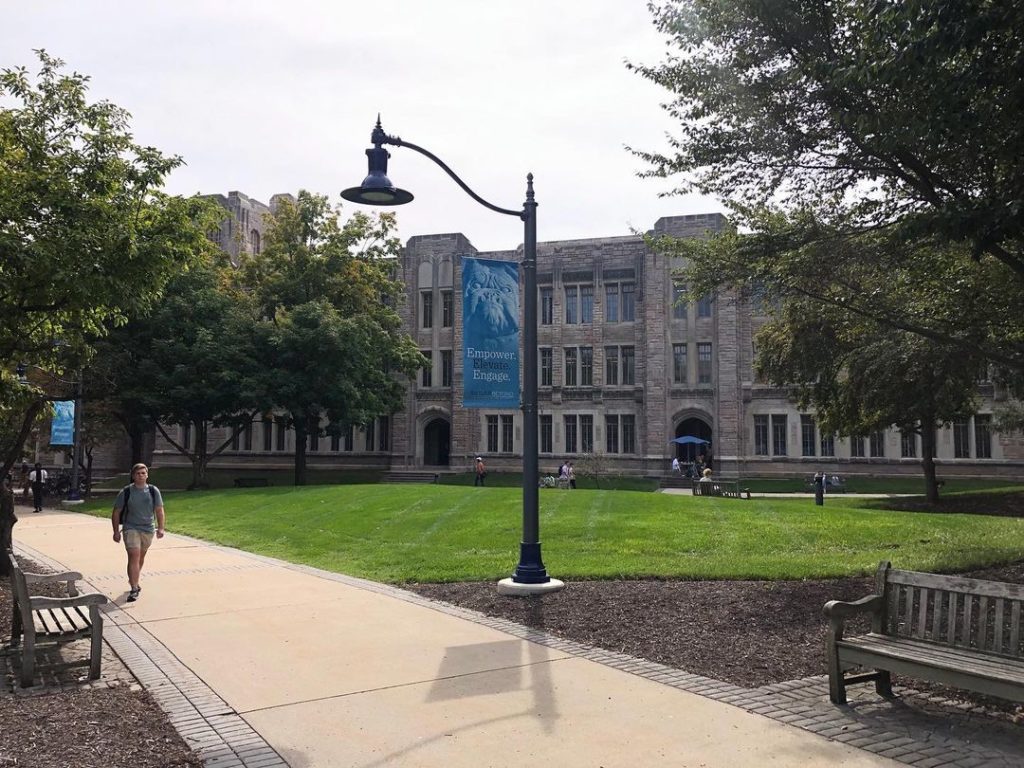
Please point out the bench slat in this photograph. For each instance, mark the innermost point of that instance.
(922, 612)
(957, 584)
(981, 664)
(951, 619)
(937, 604)
(982, 637)
(998, 627)
(968, 610)
(1015, 649)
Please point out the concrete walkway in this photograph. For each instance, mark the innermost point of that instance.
(265, 664)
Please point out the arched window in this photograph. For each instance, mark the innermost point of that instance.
(254, 242)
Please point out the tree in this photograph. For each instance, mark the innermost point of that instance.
(329, 340)
(193, 361)
(861, 376)
(830, 127)
(86, 239)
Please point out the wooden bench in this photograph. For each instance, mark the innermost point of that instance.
(53, 620)
(727, 488)
(947, 629)
(251, 482)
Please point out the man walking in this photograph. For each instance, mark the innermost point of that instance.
(481, 472)
(36, 478)
(134, 510)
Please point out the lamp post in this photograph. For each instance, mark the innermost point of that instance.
(530, 576)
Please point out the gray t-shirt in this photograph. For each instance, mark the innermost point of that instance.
(141, 508)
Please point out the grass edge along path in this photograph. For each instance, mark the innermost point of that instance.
(432, 533)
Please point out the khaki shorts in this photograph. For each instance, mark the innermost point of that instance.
(137, 539)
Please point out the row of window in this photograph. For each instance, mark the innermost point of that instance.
(447, 368)
(619, 305)
(770, 439)
(274, 437)
(578, 433)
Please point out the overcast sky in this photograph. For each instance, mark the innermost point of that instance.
(266, 97)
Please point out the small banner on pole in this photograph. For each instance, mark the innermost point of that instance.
(62, 427)
(490, 333)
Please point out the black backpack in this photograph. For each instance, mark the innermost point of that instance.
(127, 491)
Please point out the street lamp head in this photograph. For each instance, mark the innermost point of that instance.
(377, 188)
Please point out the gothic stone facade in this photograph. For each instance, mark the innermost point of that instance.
(624, 369)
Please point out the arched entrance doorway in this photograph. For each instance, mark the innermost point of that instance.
(436, 443)
(694, 427)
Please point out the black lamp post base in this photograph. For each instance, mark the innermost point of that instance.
(530, 577)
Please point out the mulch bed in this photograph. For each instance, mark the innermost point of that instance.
(749, 633)
(83, 727)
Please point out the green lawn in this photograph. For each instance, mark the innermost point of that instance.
(399, 533)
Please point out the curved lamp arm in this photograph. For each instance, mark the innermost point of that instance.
(379, 137)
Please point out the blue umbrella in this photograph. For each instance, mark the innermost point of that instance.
(688, 440)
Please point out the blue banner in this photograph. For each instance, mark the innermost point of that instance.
(62, 427)
(490, 333)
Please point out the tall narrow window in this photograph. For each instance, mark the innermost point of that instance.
(254, 242)
(760, 435)
(704, 307)
(447, 369)
(628, 366)
(268, 433)
(628, 302)
(828, 445)
(546, 367)
(349, 437)
(908, 445)
(370, 436)
(384, 441)
(704, 362)
(779, 447)
(983, 436)
(611, 434)
(877, 446)
(857, 447)
(314, 437)
(547, 306)
(961, 440)
(279, 432)
(546, 443)
(236, 439)
(506, 434)
(247, 436)
(427, 372)
(679, 305)
(570, 433)
(586, 304)
(679, 363)
(586, 366)
(447, 309)
(611, 303)
(807, 441)
(186, 436)
(571, 307)
(629, 433)
(586, 433)
(570, 366)
(427, 304)
(611, 366)
(492, 434)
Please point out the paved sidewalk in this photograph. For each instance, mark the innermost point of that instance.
(264, 664)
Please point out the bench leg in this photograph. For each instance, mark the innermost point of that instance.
(97, 642)
(28, 660)
(883, 684)
(836, 683)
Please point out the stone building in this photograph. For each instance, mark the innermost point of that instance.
(625, 366)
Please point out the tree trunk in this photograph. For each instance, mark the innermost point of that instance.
(301, 443)
(136, 438)
(7, 521)
(200, 458)
(931, 483)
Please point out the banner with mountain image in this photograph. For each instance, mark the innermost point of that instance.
(490, 333)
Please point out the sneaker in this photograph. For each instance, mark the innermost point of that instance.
(133, 594)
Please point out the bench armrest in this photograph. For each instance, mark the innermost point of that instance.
(838, 611)
(51, 578)
(93, 598)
